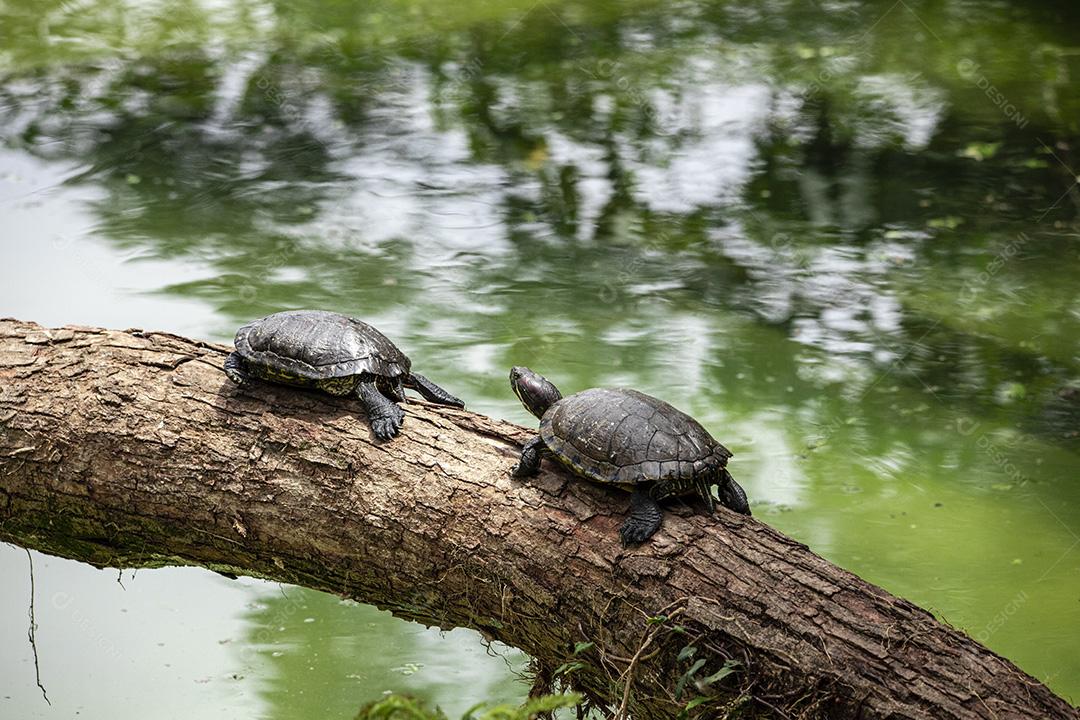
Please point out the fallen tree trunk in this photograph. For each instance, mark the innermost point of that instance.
(132, 449)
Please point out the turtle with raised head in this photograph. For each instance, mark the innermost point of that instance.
(334, 353)
(627, 438)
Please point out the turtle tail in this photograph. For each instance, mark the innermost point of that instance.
(732, 496)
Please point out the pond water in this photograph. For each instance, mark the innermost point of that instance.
(844, 236)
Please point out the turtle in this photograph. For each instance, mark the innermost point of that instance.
(624, 437)
(334, 353)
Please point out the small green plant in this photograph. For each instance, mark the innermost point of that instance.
(567, 668)
(729, 667)
(702, 684)
(398, 707)
(534, 706)
(572, 665)
(686, 676)
(403, 707)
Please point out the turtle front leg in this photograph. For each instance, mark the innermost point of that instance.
(234, 369)
(385, 416)
(531, 455)
(644, 520)
(431, 391)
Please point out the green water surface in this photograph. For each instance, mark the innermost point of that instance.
(844, 236)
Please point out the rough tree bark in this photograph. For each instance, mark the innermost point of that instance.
(132, 449)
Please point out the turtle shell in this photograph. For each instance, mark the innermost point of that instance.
(626, 436)
(318, 344)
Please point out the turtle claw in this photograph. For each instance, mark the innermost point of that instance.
(383, 429)
(388, 426)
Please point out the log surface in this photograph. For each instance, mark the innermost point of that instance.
(132, 448)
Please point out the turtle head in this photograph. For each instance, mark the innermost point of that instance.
(535, 391)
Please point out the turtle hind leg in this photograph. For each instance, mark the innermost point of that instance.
(732, 495)
(384, 415)
(644, 520)
(431, 391)
(704, 491)
(235, 370)
(391, 388)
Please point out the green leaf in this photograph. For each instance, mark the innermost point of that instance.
(684, 714)
(583, 647)
(686, 678)
(542, 704)
(547, 703)
(470, 713)
(567, 668)
(399, 707)
(687, 652)
(729, 667)
(657, 620)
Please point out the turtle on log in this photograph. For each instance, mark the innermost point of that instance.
(630, 439)
(334, 353)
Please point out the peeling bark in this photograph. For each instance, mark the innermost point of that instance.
(128, 449)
